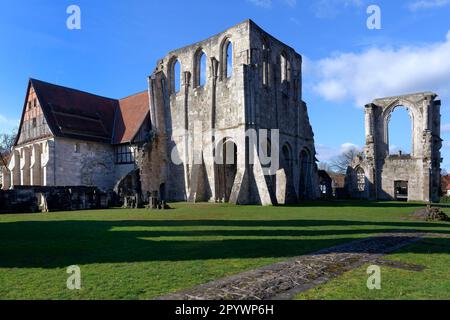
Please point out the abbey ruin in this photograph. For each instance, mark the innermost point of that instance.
(251, 81)
(223, 121)
(379, 175)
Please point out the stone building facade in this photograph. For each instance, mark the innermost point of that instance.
(377, 174)
(197, 134)
(206, 99)
(73, 138)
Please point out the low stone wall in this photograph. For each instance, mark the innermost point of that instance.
(51, 199)
(18, 201)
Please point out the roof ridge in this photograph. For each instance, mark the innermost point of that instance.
(135, 94)
(73, 89)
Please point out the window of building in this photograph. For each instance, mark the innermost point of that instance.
(34, 122)
(227, 59)
(361, 179)
(265, 64)
(35, 103)
(77, 148)
(175, 76)
(285, 68)
(124, 154)
(200, 68)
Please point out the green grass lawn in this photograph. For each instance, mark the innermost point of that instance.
(396, 284)
(140, 254)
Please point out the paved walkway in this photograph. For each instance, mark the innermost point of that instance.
(285, 280)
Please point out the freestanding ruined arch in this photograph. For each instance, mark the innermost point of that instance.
(415, 176)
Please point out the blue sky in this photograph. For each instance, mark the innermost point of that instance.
(346, 64)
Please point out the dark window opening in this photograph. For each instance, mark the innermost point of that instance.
(401, 190)
(124, 154)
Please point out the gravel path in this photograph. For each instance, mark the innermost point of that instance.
(282, 281)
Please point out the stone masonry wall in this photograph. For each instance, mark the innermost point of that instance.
(263, 92)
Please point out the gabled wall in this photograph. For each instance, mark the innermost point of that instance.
(34, 125)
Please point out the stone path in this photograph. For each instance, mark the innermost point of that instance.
(285, 280)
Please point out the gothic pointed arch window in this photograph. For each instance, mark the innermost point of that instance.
(175, 75)
(288, 162)
(200, 68)
(265, 62)
(227, 58)
(400, 138)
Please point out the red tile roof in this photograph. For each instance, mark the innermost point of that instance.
(81, 115)
(132, 113)
(76, 114)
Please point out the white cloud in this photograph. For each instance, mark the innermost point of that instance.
(291, 3)
(331, 8)
(428, 4)
(326, 153)
(380, 72)
(261, 3)
(268, 3)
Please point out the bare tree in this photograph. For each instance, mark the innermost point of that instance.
(341, 163)
(325, 166)
(7, 141)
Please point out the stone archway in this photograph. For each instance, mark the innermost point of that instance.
(285, 188)
(420, 169)
(226, 169)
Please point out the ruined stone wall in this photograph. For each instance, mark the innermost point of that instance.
(276, 103)
(217, 105)
(421, 169)
(262, 92)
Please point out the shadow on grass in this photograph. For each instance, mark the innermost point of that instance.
(361, 204)
(60, 244)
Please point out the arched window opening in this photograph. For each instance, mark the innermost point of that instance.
(400, 140)
(175, 76)
(361, 179)
(229, 54)
(203, 69)
(200, 68)
(285, 68)
(227, 59)
(226, 169)
(287, 159)
(265, 64)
